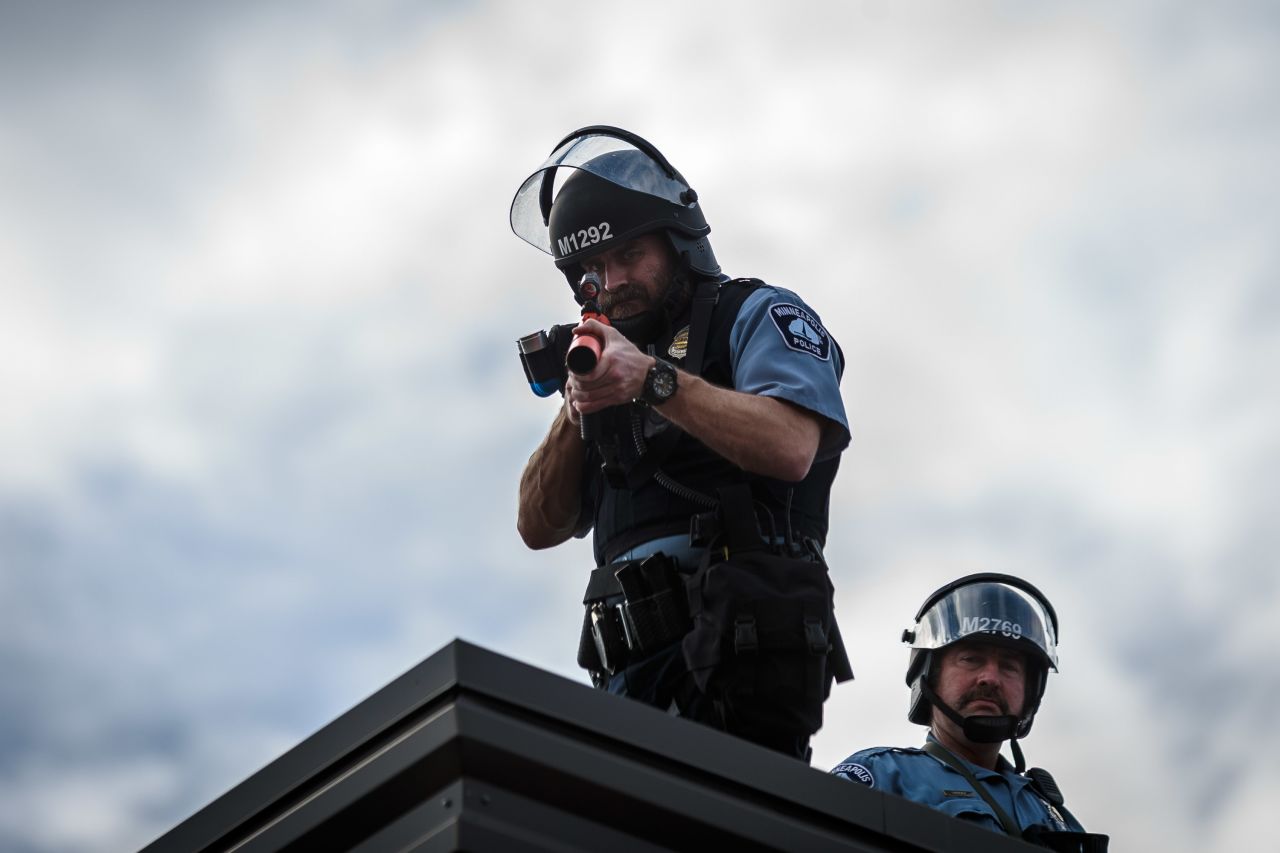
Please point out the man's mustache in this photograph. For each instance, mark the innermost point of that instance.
(626, 293)
(990, 694)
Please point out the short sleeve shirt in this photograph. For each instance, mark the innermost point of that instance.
(779, 348)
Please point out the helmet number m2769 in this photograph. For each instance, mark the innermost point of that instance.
(988, 625)
(576, 241)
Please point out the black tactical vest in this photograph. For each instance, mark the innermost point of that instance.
(644, 509)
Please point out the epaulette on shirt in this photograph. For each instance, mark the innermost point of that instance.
(881, 750)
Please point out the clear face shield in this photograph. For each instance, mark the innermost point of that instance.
(609, 157)
(987, 612)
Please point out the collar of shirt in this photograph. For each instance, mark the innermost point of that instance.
(1004, 770)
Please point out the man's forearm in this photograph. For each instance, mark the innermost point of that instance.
(759, 434)
(762, 435)
(550, 487)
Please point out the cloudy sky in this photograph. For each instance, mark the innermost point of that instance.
(262, 420)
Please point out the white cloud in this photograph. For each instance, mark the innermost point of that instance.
(256, 351)
(107, 802)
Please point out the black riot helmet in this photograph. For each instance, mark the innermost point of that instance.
(987, 608)
(604, 185)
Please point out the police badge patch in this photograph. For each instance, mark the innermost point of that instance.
(857, 773)
(801, 331)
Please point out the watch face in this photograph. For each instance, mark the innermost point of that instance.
(660, 384)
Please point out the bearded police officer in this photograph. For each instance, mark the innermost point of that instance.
(716, 430)
(981, 651)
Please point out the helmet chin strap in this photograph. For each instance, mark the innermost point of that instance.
(980, 728)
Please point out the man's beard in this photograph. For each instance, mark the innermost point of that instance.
(648, 325)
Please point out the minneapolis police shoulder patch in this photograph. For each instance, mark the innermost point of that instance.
(856, 772)
(800, 330)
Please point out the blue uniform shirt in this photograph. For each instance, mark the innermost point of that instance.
(778, 347)
(921, 778)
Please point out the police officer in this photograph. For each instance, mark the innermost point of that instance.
(981, 651)
(714, 403)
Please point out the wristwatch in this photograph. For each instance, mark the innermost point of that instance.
(660, 383)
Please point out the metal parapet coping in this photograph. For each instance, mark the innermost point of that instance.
(471, 750)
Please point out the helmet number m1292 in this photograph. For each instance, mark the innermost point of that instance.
(576, 241)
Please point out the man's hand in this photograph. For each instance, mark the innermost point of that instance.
(763, 435)
(618, 378)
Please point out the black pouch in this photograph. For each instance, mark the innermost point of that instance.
(764, 645)
(656, 612)
(653, 614)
